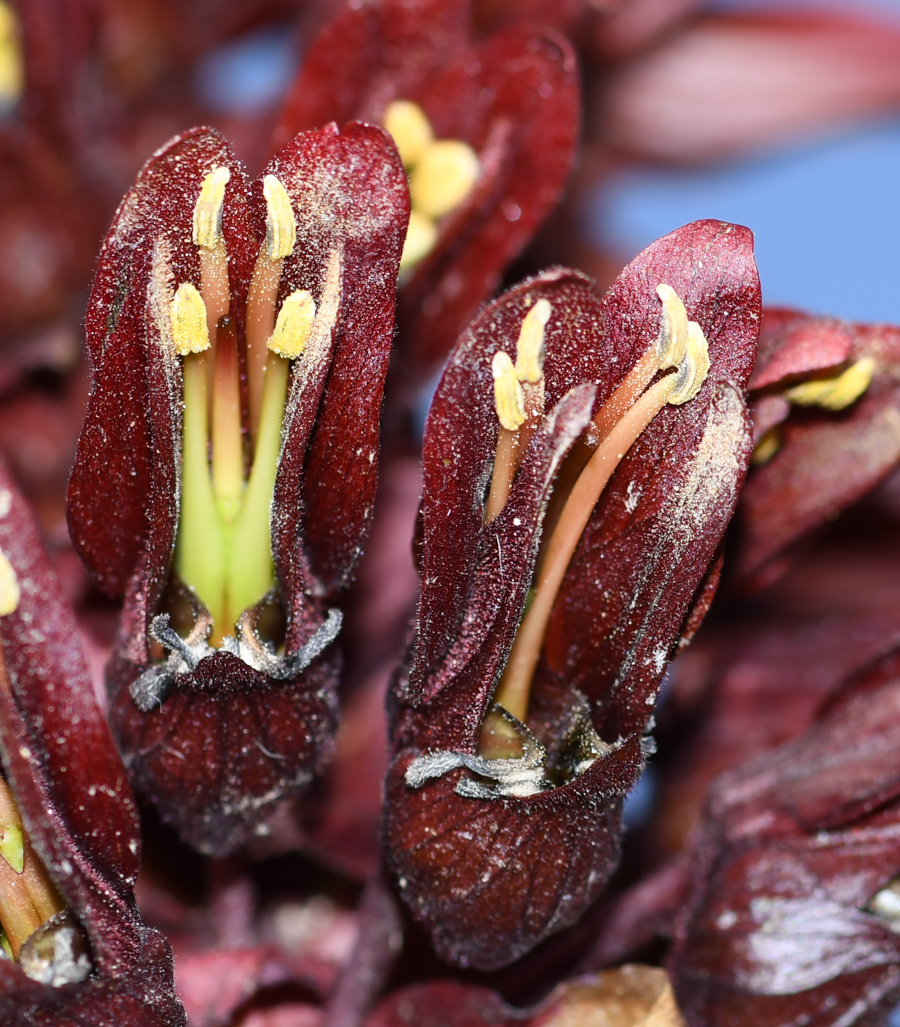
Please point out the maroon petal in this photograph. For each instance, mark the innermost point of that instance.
(827, 460)
(113, 474)
(352, 188)
(513, 98)
(75, 801)
(785, 918)
(659, 522)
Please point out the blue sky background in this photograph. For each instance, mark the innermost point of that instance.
(826, 215)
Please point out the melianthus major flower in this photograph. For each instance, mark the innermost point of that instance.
(574, 504)
(225, 477)
(487, 129)
(794, 910)
(76, 952)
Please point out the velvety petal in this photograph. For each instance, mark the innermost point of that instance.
(513, 98)
(113, 473)
(660, 520)
(827, 460)
(782, 918)
(351, 190)
(490, 877)
(521, 116)
(227, 746)
(629, 26)
(468, 599)
(793, 346)
(74, 798)
(733, 82)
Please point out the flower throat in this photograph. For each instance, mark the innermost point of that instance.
(224, 548)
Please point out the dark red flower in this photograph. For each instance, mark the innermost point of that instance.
(793, 916)
(827, 431)
(93, 962)
(254, 322)
(514, 744)
(511, 101)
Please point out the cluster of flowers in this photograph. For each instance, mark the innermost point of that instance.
(258, 350)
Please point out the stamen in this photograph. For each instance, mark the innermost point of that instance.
(519, 401)
(27, 895)
(530, 349)
(227, 443)
(618, 429)
(12, 65)
(208, 237)
(281, 225)
(208, 209)
(294, 325)
(188, 315)
(252, 573)
(672, 341)
(12, 846)
(693, 368)
(515, 685)
(9, 592)
(281, 237)
(836, 393)
(421, 235)
(509, 400)
(411, 129)
(443, 177)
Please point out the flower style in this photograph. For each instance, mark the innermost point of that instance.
(226, 471)
(487, 132)
(796, 876)
(556, 585)
(69, 842)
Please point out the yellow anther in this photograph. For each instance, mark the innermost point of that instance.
(9, 587)
(443, 176)
(838, 392)
(411, 129)
(672, 341)
(12, 74)
(294, 325)
(208, 209)
(530, 348)
(693, 368)
(189, 331)
(420, 237)
(768, 445)
(508, 397)
(281, 225)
